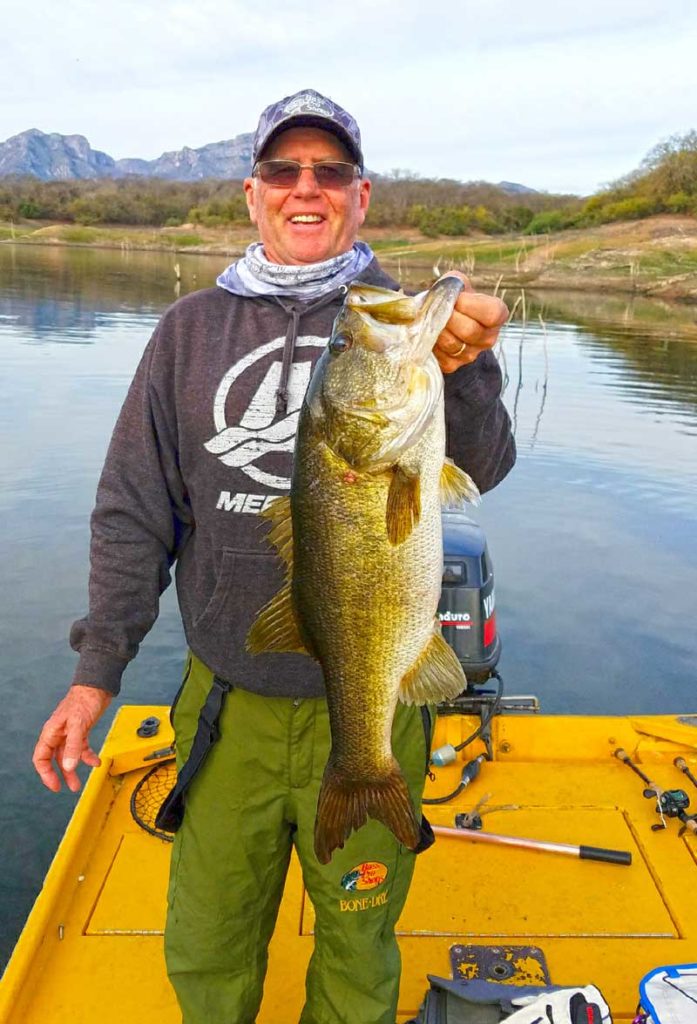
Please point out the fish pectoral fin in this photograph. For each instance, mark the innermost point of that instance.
(457, 486)
(346, 804)
(435, 675)
(403, 509)
(276, 627)
(281, 532)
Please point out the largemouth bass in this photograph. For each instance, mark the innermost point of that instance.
(361, 539)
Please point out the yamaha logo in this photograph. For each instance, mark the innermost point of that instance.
(260, 430)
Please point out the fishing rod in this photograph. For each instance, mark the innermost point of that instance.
(567, 849)
(670, 803)
(681, 764)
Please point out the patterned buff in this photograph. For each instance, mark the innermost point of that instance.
(255, 275)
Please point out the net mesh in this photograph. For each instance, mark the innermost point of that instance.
(149, 794)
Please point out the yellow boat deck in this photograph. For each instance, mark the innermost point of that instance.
(92, 948)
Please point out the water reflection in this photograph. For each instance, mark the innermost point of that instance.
(648, 342)
(64, 294)
(602, 401)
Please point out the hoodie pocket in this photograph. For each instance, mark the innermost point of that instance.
(246, 582)
(221, 592)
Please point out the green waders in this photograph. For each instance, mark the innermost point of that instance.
(255, 798)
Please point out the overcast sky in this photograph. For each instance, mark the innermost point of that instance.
(558, 96)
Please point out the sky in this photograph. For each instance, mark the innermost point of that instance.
(560, 97)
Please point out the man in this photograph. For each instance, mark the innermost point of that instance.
(202, 443)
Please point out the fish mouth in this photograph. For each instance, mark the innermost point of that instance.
(421, 317)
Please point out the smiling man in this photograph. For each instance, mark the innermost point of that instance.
(309, 214)
(203, 443)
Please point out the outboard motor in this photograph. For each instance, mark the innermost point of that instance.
(466, 607)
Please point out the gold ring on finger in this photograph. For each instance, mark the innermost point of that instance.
(461, 349)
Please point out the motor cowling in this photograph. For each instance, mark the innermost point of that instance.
(467, 603)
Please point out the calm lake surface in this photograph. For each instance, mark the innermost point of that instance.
(593, 535)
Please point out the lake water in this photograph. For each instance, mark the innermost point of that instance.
(593, 535)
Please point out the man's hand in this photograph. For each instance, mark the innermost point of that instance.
(65, 737)
(473, 327)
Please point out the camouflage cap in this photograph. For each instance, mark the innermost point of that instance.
(307, 108)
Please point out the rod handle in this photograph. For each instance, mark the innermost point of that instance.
(598, 853)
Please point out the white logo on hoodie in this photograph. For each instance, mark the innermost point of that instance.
(260, 430)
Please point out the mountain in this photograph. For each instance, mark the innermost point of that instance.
(57, 157)
(53, 157)
(513, 188)
(229, 159)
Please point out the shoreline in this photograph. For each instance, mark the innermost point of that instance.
(654, 258)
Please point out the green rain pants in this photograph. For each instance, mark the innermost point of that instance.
(254, 799)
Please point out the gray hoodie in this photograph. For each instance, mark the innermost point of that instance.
(202, 444)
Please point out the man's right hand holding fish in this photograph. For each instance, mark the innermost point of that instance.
(472, 328)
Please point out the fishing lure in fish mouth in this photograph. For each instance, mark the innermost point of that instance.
(361, 539)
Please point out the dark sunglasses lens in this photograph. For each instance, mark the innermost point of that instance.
(331, 174)
(283, 173)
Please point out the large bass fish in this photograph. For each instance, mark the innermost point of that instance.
(361, 539)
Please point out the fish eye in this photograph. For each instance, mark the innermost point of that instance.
(339, 343)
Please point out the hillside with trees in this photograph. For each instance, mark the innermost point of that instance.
(664, 183)
(435, 207)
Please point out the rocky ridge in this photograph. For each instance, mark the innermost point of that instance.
(55, 157)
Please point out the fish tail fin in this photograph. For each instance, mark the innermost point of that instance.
(345, 805)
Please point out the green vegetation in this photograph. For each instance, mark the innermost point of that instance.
(666, 182)
(79, 235)
(136, 201)
(183, 241)
(441, 207)
(432, 207)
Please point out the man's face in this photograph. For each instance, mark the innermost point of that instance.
(336, 213)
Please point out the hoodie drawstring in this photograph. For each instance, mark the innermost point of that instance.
(295, 313)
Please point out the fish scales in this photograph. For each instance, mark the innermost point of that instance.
(367, 605)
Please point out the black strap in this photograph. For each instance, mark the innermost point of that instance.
(171, 813)
(426, 836)
(426, 722)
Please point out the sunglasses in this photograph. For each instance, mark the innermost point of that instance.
(285, 173)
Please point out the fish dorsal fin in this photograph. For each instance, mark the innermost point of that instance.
(281, 532)
(403, 509)
(275, 627)
(435, 675)
(456, 486)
